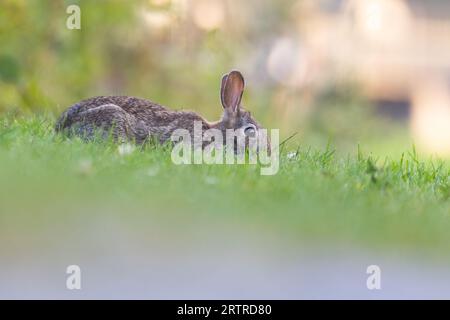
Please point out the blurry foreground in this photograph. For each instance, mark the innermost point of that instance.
(141, 227)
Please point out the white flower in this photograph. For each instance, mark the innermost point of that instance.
(125, 149)
(291, 155)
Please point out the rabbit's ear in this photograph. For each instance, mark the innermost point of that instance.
(232, 89)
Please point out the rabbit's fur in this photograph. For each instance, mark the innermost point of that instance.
(128, 118)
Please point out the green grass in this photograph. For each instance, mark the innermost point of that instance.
(49, 183)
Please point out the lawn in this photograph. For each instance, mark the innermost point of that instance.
(50, 184)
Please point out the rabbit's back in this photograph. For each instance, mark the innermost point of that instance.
(138, 118)
(128, 104)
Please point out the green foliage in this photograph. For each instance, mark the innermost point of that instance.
(46, 67)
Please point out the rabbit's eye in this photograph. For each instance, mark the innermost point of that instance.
(250, 131)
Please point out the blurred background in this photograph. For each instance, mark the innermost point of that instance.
(373, 72)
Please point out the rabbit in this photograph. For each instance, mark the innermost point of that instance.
(129, 118)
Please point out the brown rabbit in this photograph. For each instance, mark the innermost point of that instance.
(129, 118)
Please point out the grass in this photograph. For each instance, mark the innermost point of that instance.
(49, 184)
